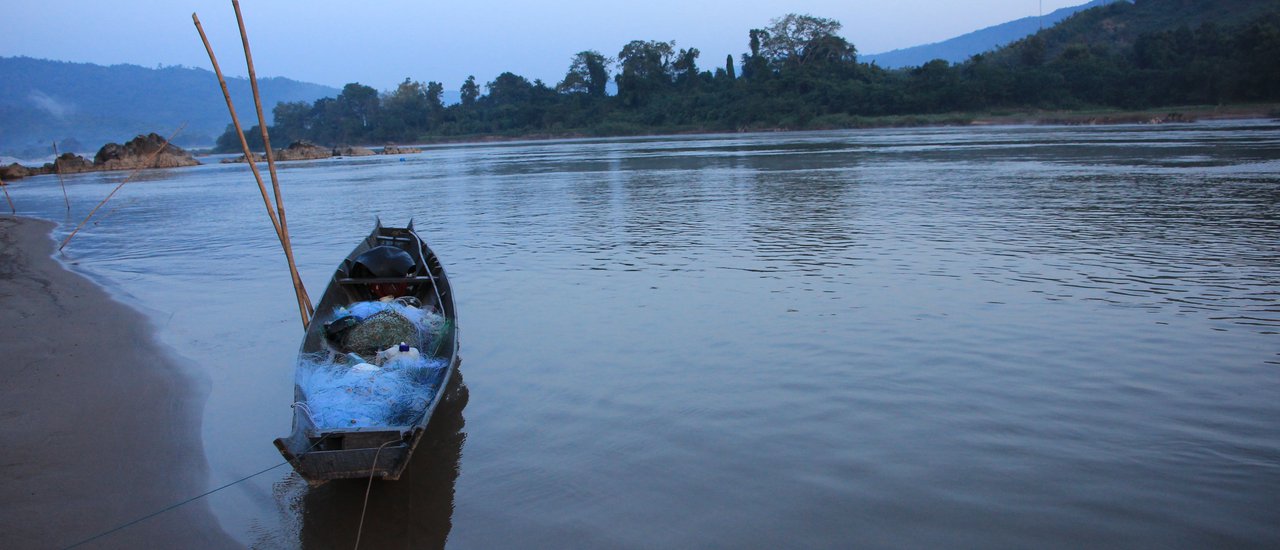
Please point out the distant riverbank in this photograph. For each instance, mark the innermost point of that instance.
(1164, 115)
(1189, 113)
(1176, 114)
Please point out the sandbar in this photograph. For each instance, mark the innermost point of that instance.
(100, 424)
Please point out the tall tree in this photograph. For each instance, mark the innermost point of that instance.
(795, 40)
(355, 109)
(405, 111)
(435, 97)
(588, 73)
(292, 121)
(754, 64)
(470, 92)
(646, 68)
(509, 89)
(686, 66)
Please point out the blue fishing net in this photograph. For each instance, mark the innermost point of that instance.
(344, 390)
(340, 395)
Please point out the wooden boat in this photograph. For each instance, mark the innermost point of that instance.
(321, 451)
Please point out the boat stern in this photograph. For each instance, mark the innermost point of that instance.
(354, 453)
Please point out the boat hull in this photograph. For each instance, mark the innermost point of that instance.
(320, 454)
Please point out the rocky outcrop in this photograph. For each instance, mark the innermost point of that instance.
(298, 150)
(239, 159)
(69, 163)
(349, 151)
(303, 150)
(149, 151)
(390, 149)
(14, 171)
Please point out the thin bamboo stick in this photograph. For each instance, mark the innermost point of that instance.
(271, 163)
(150, 159)
(304, 302)
(5, 188)
(57, 168)
(235, 120)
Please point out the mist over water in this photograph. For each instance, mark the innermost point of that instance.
(993, 337)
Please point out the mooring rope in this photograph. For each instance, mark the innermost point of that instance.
(188, 501)
(172, 506)
(372, 468)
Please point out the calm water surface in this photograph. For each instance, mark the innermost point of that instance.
(978, 337)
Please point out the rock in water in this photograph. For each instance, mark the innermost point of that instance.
(70, 163)
(303, 150)
(349, 151)
(135, 153)
(391, 149)
(14, 171)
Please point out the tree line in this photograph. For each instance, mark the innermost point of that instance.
(800, 73)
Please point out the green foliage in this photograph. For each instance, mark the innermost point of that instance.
(686, 68)
(796, 40)
(470, 91)
(588, 74)
(798, 73)
(645, 70)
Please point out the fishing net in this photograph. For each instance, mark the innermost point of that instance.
(340, 395)
(369, 327)
(346, 390)
(380, 331)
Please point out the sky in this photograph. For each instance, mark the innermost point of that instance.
(380, 43)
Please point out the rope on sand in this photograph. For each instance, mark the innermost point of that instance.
(188, 501)
(172, 506)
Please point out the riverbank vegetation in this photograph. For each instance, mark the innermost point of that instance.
(799, 73)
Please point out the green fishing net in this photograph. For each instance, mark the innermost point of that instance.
(381, 331)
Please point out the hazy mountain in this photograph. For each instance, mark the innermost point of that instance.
(961, 47)
(42, 101)
(1118, 26)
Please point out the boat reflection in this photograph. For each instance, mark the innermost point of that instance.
(414, 512)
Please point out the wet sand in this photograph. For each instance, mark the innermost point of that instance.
(101, 427)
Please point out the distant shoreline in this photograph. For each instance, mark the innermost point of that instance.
(1080, 117)
(1174, 114)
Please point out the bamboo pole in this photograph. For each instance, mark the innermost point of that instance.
(150, 159)
(304, 302)
(235, 120)
(57, 168)
(271, 163)
(5, 188)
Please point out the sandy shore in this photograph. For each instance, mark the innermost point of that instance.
(100, 426)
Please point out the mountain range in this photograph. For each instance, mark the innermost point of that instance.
(82, 105)
(962, 47)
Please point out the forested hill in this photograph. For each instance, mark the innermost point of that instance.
(800, 73)
(960, 48)
(1118, 27)
(1149, 53)
(43, 100)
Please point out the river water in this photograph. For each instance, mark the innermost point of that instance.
(975, 337)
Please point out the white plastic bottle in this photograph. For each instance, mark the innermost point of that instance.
(402, 353)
